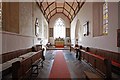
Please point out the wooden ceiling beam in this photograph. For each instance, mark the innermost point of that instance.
(67, 11)
(49, 6)
(51, 11)
(59, 12)
(78, 9)
(63, 6)
(70, 8)
(56, 6)
(69, 5)
(82, 3)
(69, 16)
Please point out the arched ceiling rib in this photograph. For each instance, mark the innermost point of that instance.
(68, 7)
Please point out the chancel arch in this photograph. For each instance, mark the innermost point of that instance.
(52, 24)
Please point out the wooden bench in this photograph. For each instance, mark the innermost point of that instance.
(22, 69)
(113, 56)
(92, 76)
(100, 64)
(35, 66)
(10, 57)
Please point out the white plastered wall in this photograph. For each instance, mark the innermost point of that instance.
(108, 42)
(28, 12)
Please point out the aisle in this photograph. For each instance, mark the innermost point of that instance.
(59, 68)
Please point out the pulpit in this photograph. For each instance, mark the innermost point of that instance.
(59, 42)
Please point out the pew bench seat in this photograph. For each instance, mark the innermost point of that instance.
(27, 55)
(6, 66)
(116, 67)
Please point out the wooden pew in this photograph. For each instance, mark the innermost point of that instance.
(100, 64)
(91, 60)
(113, 56)
(22, 69)
(9, 58)
(14, 54)
(104, 67)
(86, 58)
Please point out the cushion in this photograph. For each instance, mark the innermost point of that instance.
(115, 64)
(97, 56)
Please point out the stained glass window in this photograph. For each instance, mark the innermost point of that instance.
(59, 28)
(105, 18)
(0, 14)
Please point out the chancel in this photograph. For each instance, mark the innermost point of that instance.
(60, 39)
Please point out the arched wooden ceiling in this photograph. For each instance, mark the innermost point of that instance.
(68, 7)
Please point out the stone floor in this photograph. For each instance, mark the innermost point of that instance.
(75, 66)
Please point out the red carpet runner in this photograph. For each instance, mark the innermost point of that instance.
(59, 68)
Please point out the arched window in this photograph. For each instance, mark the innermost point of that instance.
(100, 18)
(105, 17)
(0, 15)
(59, 28)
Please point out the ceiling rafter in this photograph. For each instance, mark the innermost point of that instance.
(77, 6)
(63, 6)
(48, 6)
(59, 12)
(79, 9)
(70, 5)
(51, 11)
(69, 9)
(56, 6)
(62, 12)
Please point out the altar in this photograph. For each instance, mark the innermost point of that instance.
(59, 42)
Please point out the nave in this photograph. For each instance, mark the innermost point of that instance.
(27, 27)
